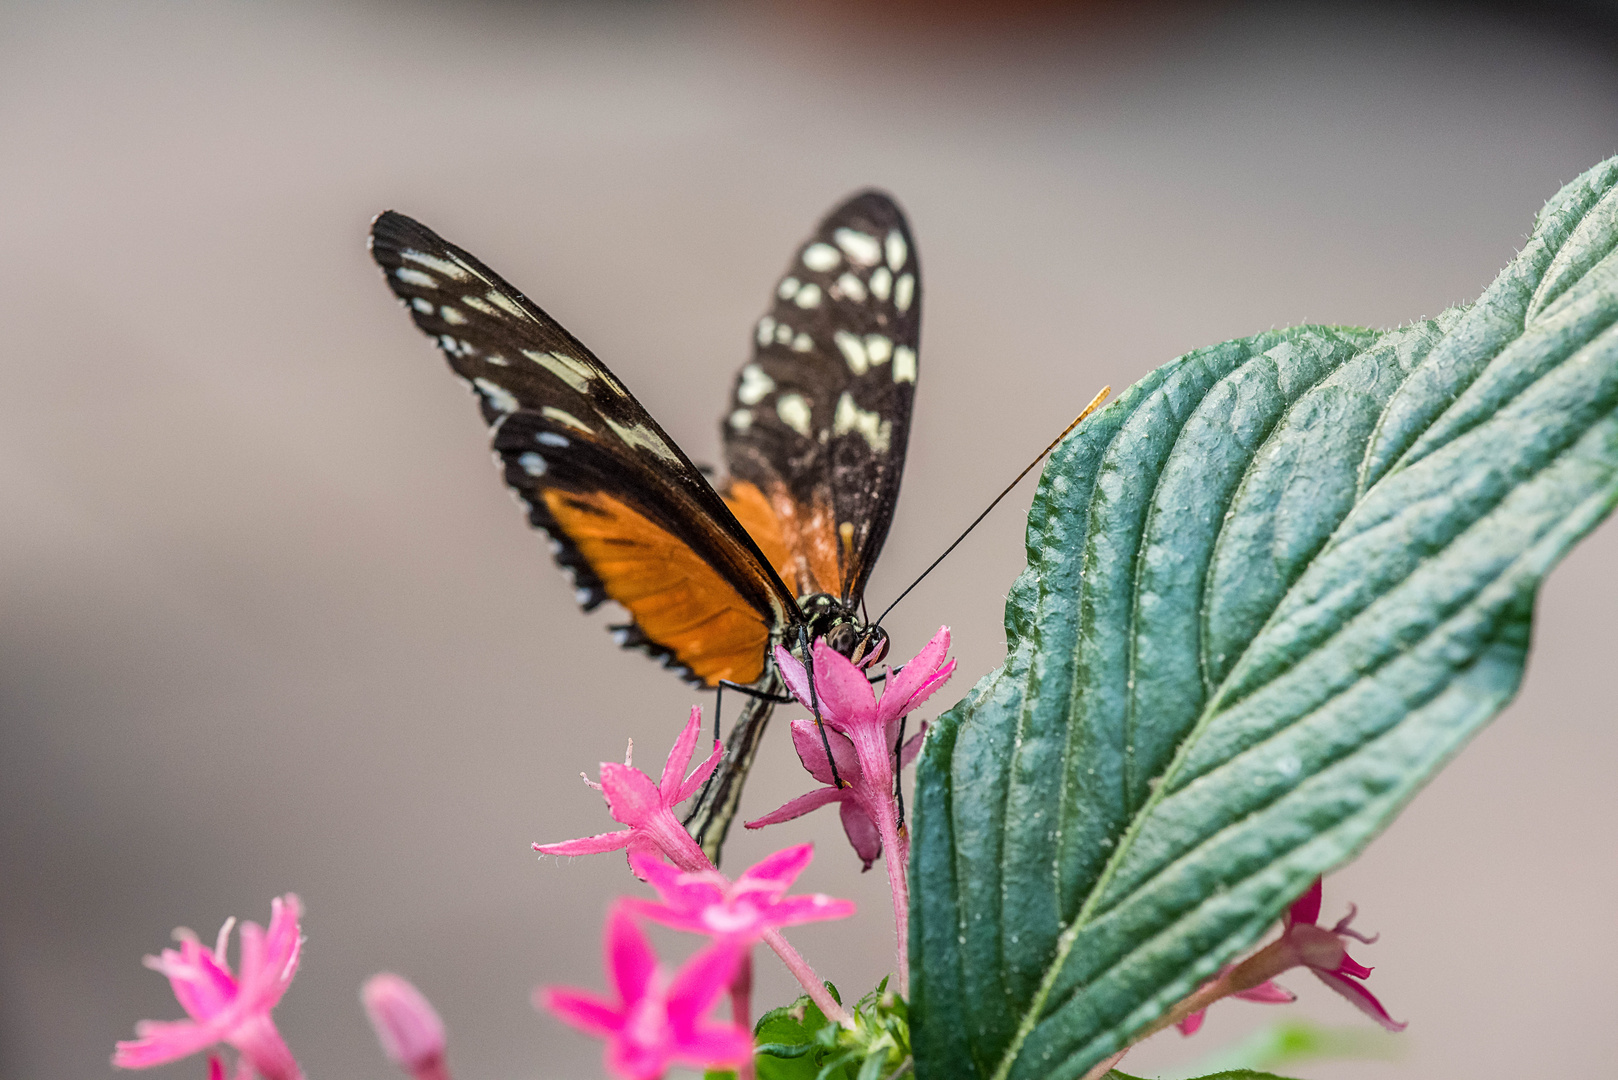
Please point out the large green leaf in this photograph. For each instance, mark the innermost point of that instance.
(1270, 591)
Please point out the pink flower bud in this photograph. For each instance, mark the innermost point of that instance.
(406, 1024)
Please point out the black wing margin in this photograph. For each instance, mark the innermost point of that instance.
(821, 415)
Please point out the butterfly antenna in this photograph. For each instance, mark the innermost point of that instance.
(1095, 403)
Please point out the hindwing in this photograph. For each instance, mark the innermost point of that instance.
(820, 417)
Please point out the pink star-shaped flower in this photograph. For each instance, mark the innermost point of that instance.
(705, 902)
(1302, 944)
(862, 733)
(225, 1007)
(648, 808)
(656, 1021)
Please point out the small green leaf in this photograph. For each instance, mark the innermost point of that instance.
(1270, 591)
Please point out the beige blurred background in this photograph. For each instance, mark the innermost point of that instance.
(270, 622)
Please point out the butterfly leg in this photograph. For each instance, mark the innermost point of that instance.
(898, 772)
(754, 692)
(814, 706)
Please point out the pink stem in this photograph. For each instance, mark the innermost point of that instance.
(741, 1006)
(806, 977)
(896, 857)
(1101, 1069)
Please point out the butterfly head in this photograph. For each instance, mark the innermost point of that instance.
(843, 631)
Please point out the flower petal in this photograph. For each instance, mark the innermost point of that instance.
(715, 1048)
(811, 750)
(844, 694)
(1306, 908)
(698, 984)
(815, 907)
(793, 674)
(774, 874)
(913, 683)
(1362, 998)
(1268, 992)
(580, 1009)
(631, 964)
(588, 845)
(800, 806)
(406, 1024)
(699, 775)
(1193, 1023)
(680, 756)
(631, 796)
(163, 1041)
(861, 830)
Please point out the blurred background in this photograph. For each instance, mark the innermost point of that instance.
(271, 623)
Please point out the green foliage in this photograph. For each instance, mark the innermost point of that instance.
(1270, 591)
(799, 1043)
(1232, 1074)
(1292, 1042)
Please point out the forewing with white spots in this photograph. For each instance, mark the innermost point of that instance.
(622, 502)
(820, 418)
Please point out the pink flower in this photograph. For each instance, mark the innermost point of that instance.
(862, 733)
(854, 799)
(656, 1021)
(225, 1008)
(1301, 944)
(648, 808)
(407, 1026)
(1266, 992)
(705, 902)
(1322, 951)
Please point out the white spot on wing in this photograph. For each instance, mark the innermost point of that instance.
(741, 419)
(794, 412)
(881, 283)
(788, 286)
(904, 291)
(551, 438)
(860, 247)
(821, 257)
(411, 276)
(878, 348)
(808, 296)
(783, 333)
(453, 271)
(452, 316)
(876, 431)
(904, 364)
(478, 304)
(499, 398)
(766, 330)
(802, 343)
(576, 373)
(755, 385)
(898, 250)
(852, 287)
(642, 436)
(531, 463)
(497, 361)
(562, 416)
(506, 304)
(423, 306)
(853, 351)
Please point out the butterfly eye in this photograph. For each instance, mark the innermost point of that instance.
(872, 648)
(843, 638)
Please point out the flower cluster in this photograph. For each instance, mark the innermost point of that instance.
(656, 1017)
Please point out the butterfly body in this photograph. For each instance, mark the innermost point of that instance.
(814, 437)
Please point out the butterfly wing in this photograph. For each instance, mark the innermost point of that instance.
(631, 518)
(819, 420)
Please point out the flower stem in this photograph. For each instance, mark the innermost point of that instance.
(896, 858)
(806, 977)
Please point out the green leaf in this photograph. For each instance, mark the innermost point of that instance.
(1270, 591)
(795, 1042)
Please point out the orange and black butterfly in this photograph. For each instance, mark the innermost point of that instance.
(814, 440)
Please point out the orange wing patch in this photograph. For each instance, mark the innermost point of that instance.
(677, 600)
(800, 542)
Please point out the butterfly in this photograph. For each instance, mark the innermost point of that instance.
(814, 440)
